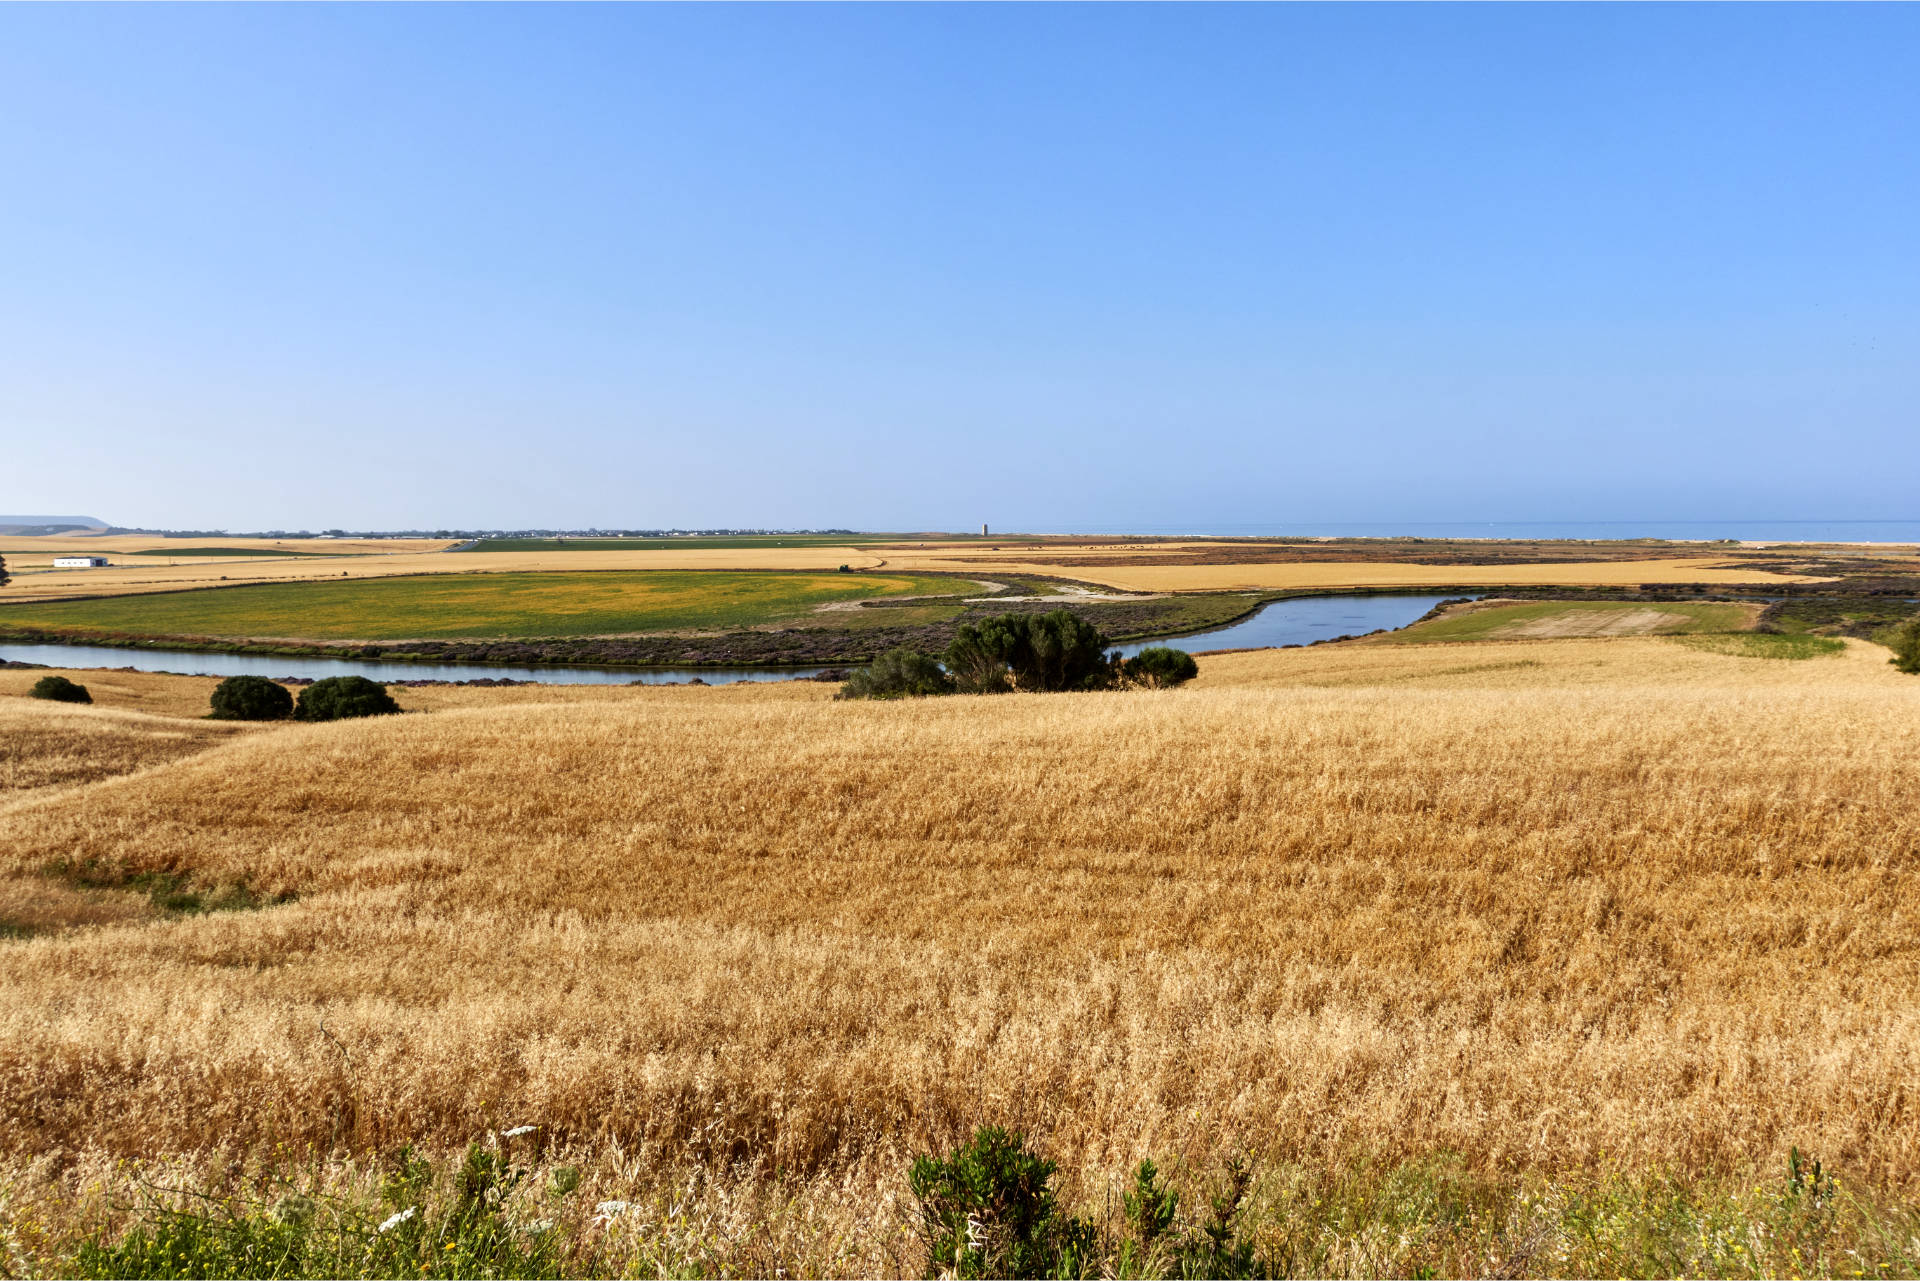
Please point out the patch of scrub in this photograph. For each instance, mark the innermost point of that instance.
(1767, 645)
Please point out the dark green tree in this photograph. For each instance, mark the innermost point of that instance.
(4, 580)
(1158, 667)
(59, 689)
(980, 656)
(1056, 651)
(251, 698)
(340, 698)
(1906, 646)
(898, 673)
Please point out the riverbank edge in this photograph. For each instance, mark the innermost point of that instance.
(475, 652)
(589, 652)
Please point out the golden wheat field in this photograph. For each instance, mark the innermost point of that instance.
(1531, 902)
(1553, 906)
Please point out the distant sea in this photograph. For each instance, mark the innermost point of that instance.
(1767, 531)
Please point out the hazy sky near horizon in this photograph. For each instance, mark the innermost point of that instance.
(918, 268)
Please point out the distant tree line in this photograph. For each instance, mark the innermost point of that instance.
(1038, 652)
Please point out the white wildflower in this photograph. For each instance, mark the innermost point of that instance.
(394, 1221)
(611, 1210)
(517, 1131)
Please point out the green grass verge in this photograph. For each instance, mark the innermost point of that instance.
(1581, 618)
(449, 606)
(1767, 645)
(487, 1215)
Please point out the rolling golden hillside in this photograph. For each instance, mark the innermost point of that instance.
(1531, 902)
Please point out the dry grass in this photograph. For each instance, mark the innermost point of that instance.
(1531, 902)
(46, 745)
(155, 692)
(48, 748)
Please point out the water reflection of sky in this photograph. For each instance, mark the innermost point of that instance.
(1299, 621)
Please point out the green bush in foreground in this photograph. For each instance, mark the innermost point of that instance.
(989, 1207)
(299, 1236)
(339, 698)
(1158, 667)
(1906, 647)
(251, 698)
(987, 1210)
(59, 689)
(898, 673)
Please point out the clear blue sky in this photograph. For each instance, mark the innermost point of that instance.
(1052, 267)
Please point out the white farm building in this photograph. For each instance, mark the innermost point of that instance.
(79, 562)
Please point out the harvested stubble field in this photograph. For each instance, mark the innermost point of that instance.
(1562, 908)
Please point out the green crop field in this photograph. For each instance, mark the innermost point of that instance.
(1534, 620)
(448, 606)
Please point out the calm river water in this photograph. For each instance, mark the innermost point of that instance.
(1287, 622)
(1301, 621)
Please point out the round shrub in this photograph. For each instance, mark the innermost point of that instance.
(340, 698)
(1159, 666)
(898, 673)
(251, 698)
(59, 689)
(1905, 643)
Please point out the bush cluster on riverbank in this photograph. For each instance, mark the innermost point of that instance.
(1044, 653)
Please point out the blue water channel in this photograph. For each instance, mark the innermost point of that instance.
(1299, 621)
